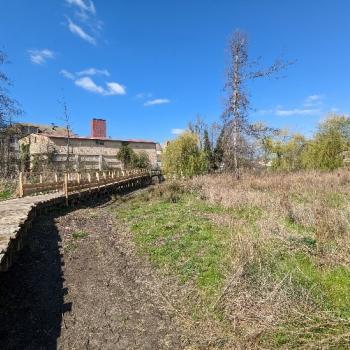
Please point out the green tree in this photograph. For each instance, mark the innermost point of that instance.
(286, 152)
(218, 152)
(207, 148)
(183, 157)
(127, 156)
(325, 151)
(141, 160)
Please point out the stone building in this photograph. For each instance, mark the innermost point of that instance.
(10, 161)
(93, 152)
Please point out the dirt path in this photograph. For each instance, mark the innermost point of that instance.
(89, 292)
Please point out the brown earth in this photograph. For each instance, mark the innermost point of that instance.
(89, 292)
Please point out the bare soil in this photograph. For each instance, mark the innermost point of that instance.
(81, 284)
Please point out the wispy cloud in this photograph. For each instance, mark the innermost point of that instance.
(67, 74)
(112, 88)
(94, 71)
(83, 6)
(79, 31)
(143, 95)
(296, 111)
(177, 131)
(40, 56)
(157, 101)
(88, 84)
(314, 100)
(115, 89)
(312, 105)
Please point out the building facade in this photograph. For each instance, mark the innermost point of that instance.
(94, 152)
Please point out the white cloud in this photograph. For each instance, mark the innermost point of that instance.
(83, 6)
(115, 89)
(67, 74)
(296, 111)
(177, 131)
(112, 89)
(77, 30)
(313, 100)
(312, 105)
(88, 84)
(157, 101)
(94, 71)
(40, 56)
(143, 95)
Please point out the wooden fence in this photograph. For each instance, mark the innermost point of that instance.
(76, 181)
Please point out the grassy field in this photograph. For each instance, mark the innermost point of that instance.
(263, 262)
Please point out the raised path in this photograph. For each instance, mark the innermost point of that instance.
(17, 215)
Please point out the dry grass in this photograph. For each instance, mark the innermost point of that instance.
(290, 266)
(277, 249)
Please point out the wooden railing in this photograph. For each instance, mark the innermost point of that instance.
(75, 181)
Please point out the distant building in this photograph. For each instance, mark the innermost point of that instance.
(93, 152)
(9, 142)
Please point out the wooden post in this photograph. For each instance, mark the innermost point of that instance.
(41, 178)
(98, 179)
(56, 177)
(65, 187)
(89, 179)
(20, 185)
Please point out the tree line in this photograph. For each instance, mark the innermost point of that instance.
(235, 143)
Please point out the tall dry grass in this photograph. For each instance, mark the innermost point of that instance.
(304, 215)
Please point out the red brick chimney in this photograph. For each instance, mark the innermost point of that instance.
(98, 128)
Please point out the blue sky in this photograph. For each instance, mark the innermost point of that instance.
(149, 67)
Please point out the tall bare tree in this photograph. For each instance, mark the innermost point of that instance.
(67, 123)
(237, 128)
(9, 109)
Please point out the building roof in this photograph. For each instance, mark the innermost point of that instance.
(49, 129)
(97, 138)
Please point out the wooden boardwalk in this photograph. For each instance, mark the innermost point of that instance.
(17, 215)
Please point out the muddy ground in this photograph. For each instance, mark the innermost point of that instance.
(81, 284)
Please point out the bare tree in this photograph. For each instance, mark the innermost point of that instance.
(198, 126)
(67, 123)
(9, 109)
(237, 129)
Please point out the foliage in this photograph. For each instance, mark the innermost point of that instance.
(325, 150)
(287, 152)
(183, 157)
(141, 160)
(207, 149)
(131, 159)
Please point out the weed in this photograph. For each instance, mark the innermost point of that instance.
(79, 235)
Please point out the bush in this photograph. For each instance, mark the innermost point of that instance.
(182, 157)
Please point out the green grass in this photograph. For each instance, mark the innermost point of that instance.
(329, 285)
(183, 238)
(179, 238)
(79, 235)
(6, 194)
(297, 227)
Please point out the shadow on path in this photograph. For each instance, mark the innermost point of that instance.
(31, 292)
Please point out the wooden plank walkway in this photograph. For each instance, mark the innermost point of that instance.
(16, 215)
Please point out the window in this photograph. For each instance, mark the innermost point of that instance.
(99, 142)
